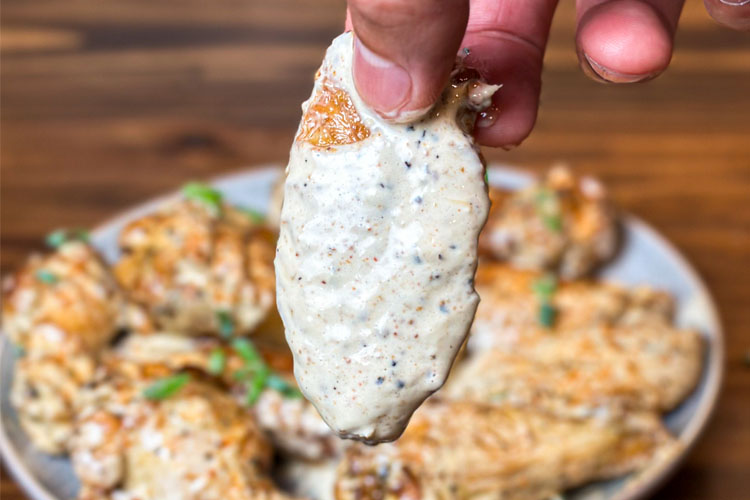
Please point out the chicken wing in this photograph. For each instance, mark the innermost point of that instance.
(562, 223)
(193, 443)
(199, 268)
(460, 450)
(59, 310)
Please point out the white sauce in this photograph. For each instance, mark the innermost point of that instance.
(376, 259)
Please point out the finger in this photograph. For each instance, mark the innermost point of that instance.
(404, 51)
(733, 14)
(626, 41)
(506, 40)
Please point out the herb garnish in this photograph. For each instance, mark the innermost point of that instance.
(486, 177)
(544, 288)
(548, 208)
(19, 351)
(226, 323)
(58, 237)
(166, 387)
(217, 360)
(278, 384)
(204, 194)
(46, 276)
(257, 375)
(254, 215)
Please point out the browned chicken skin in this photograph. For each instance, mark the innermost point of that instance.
(195, 444)
(561, 223)
(611, 349)
(59, 310)
(460, 450)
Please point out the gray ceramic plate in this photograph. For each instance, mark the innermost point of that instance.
(646, 258)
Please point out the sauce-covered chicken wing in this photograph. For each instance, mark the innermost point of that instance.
(378, 248)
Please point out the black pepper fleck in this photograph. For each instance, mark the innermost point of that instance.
(417, 260)
(400, 384)
(418, 200)
(440, 256)
(379, 380)
(394, 363)
(408, 164)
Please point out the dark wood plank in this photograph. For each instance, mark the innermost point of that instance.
(106, 103)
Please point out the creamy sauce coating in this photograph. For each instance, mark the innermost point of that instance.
(377, 252)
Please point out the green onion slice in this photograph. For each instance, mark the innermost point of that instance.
(257, 384)
(166, 387)
(58, 237)
(547, 314)
(226, 323)
(205, 194)
(249, 354)
(254, 215)
(217, 360)
(280, 385)
(46, 276)
(545, 286)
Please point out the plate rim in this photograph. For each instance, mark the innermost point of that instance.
(644, 484)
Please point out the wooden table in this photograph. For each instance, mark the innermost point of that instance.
(106, 103)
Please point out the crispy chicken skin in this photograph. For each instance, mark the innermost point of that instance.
(611, 348)
(562, 223)
(191, 266)
(292, 424)
(509, 306)
(59, 310)
(195, 444)
(584, 372)
(460, 450)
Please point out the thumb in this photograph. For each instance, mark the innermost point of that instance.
(404, 51)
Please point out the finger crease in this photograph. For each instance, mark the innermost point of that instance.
(501, 34)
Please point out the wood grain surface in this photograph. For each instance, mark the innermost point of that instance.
(106, 103)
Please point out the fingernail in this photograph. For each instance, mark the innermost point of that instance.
(488, 117)
(383, 84)
(605, 75)
(735, 3)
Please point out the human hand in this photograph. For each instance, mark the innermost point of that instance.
(405, 50)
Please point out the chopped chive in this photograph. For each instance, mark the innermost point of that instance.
(552, 222)
(548, 208)
(547, 314)
(486, 177)
(243, 374)
(19, 351)
(254, 215)
(166, 387)
(46, 276)
(257, 384)
(217, 360)
(247, 351)
(280, 385)
(545, 286)
(58, 237)
(226, 323)
(204, 194)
